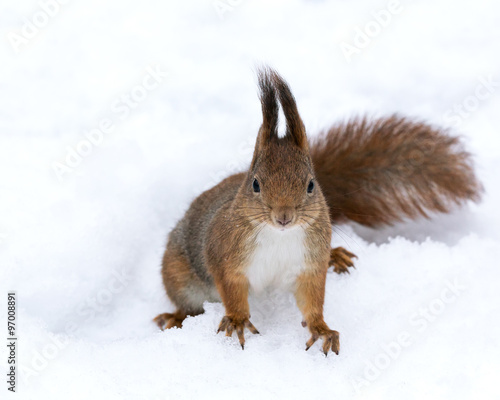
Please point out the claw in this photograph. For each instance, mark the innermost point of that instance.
(223, 324)
(229, 326)
(241, 337)
(251, 328)
(327, 344)
(311, 341)
(335, 343)
(330, 341)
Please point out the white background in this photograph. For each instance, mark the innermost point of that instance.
(83, 252)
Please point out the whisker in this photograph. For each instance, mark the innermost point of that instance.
(340, 236)
(255, 215)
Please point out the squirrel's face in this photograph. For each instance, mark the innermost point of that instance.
(281, 188)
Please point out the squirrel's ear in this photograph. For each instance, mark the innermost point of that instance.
(295, 130)
(270, 109)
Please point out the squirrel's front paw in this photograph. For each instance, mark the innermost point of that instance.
(341, 259)
(230, 325)
(330, 340)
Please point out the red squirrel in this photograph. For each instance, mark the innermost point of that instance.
(272, 225)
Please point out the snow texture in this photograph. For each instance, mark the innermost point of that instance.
(171, 87)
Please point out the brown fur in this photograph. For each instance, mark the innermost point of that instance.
(380, 171)
(371, 173)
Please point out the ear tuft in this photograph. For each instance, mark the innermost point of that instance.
(294, 127)
(270, 109)
(273, 88)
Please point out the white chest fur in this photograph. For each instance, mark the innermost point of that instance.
(278, 258)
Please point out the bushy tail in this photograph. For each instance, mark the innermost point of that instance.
(384, 170)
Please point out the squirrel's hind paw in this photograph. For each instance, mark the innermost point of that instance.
(341, 260)
(167, 320)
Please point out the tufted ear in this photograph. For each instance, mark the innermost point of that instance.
(273, 88)
(295, 130)
(270, 110)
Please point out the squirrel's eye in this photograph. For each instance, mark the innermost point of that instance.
(310, 187)
(256, 186)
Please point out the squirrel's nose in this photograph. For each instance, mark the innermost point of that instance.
(283, 220)
(283, 216)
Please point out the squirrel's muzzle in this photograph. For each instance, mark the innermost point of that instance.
(283, 217)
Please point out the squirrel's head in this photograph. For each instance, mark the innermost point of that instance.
(280, 186)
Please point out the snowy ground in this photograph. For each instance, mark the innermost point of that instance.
(81, 237)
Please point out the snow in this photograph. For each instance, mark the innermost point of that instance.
(171, 86)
